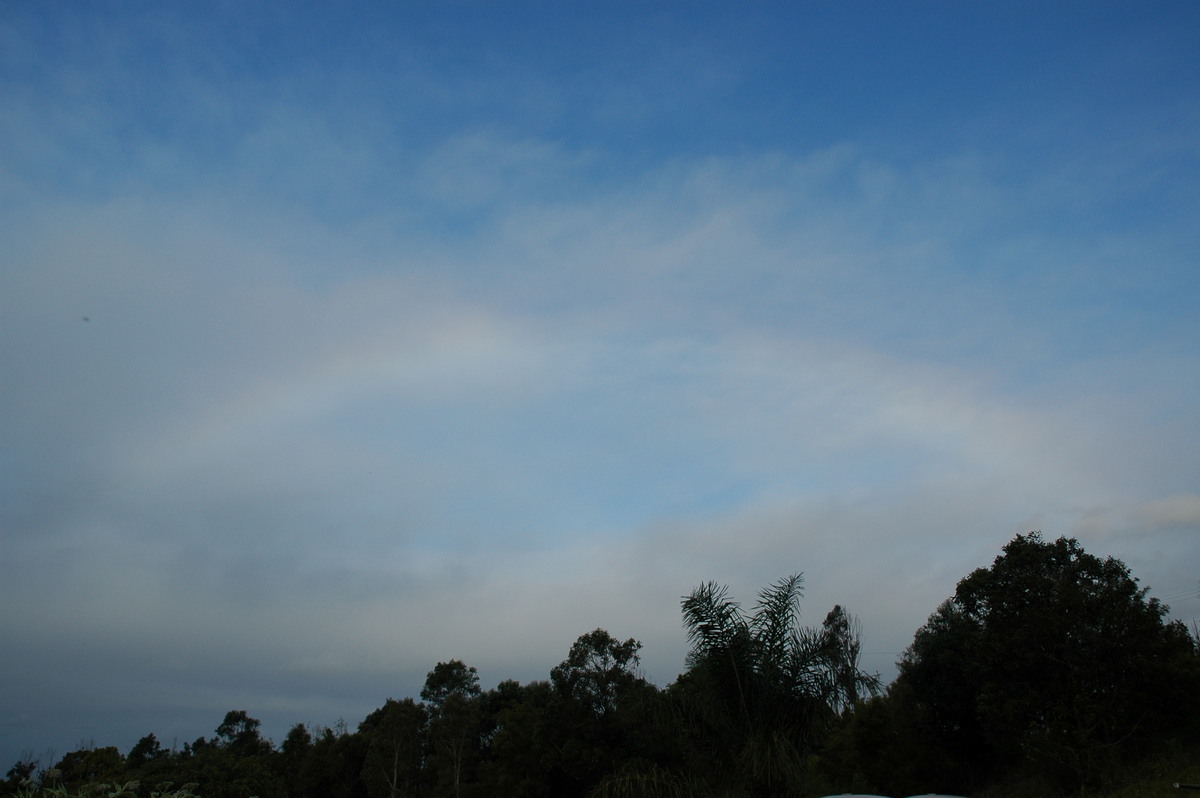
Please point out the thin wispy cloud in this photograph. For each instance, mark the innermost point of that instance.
(328, 357)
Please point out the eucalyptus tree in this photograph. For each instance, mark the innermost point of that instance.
(603, 710)
(239, 735)
(452, 694)
(596, 671)
(763, 689)
(145, 750)
(395, 736)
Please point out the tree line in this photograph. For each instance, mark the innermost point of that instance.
(1050, 672)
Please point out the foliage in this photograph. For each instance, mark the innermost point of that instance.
(647, 781)
(596, 671)
(523, 740)
(146, 750)
(601, 710)
(1049, 671)
(1053, 661)
(102, 790)
(395, 736)
(449, 680)
(761, 689)
(452, 692)
(238, 733)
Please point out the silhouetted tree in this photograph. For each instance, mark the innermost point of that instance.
(292, 762)
(335, 764)
(1055, 658)
(597, 693)
(238, 734)
(596, 670)
(90, 764)
(144, 751)
(395, 735)
(761, 688)
(523, 740)
(23, 771)
(452, 693)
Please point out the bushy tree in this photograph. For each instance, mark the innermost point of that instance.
(146, 750)
(238, 734)
(91, 764)
(20, 774)
(1051, 658)
(523, 739)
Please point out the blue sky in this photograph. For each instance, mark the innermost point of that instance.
(335, 343)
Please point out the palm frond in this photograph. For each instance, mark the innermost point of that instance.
(712, 619)
(776, 616)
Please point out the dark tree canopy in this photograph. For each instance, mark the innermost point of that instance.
(147, 749)
(453, 694)
(239, 733)
(448, 680)
(1052, 657)
(1049, 666)
(763, 690)
(394, 735)
(596, 670)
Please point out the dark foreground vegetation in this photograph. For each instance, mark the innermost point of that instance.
(1049, 673)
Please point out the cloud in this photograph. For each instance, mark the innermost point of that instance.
(357, 396)
(1180, 511)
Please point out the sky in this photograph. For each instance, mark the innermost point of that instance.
(339, 340)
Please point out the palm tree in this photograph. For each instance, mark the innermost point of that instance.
(762, 687)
